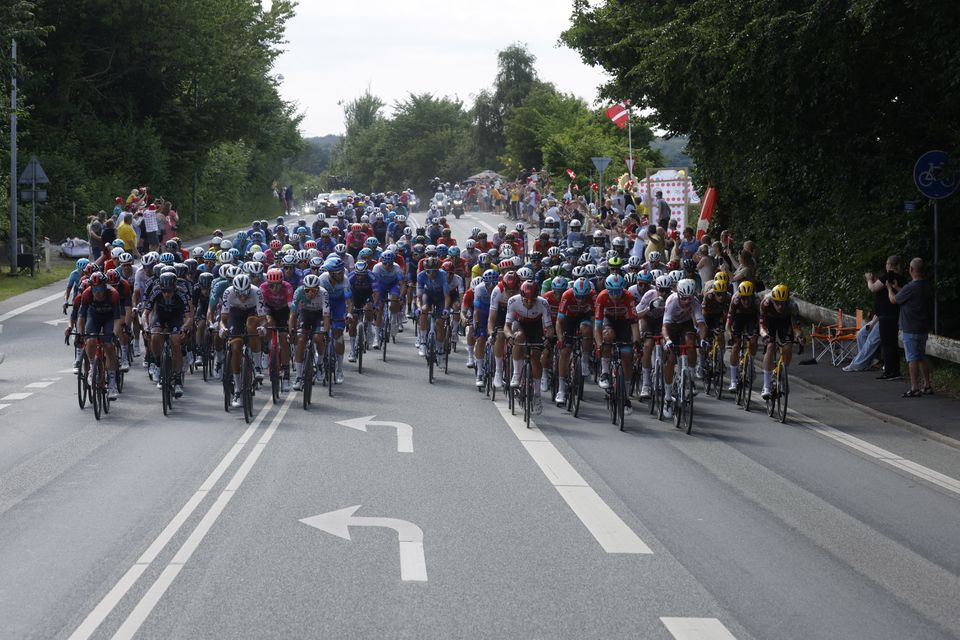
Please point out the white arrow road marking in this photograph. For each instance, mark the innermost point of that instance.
(413, 566)
(32, 305)
(54, 323)
(697, 629)
(404, 431)
(17, 396)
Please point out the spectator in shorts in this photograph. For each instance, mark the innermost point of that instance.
(916, 315)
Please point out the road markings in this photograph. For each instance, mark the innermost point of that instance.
(697, 629)
(17, 396)
(146, 605)
(119, 590)
(404, 431)
(413, 566)
(27, 307)
(879, 454)
(601, 521)
(4, 406)
(41, 385)
(54, 323)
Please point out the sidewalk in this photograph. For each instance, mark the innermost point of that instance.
(936, 413)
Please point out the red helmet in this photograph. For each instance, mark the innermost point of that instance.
(97, 279)
(112, 276)
(275, 245)
(447, 266)
(274, 275)
(90, 268)
(356, 227)
(310, 244)
(510, 280)
(529, 290)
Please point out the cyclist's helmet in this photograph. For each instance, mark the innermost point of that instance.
(112, 276)
(83, 262)
(618, 242)
(780, 293)
(168, 281)
(688, 264)
(288, 260)
(505, 265)
(483, 259)
(166, 258)
(311, 281)
(630, 279)
(721, 281)
(644, 278)
(431, 250)
(180, 269)
(687, 288)
(442, 251)
(574, 224)
(447, 266)
(476, 282)
(241, 284)
(615, 262)
(559, 284)
(275, 245)
(590, 270)
(431, 264)
(126, 258)
(228, 271)
(529, 291)
(274, 275)
(340, 249)
(453, 252)
(225, 245)
(603, 269)
(260, 256)
(664, 283)
(502, 227)
(316, 262)
(519, 227)
(577, 272)
(371, 242)
(471, 244)
(364, 254)
(310, 244)
(388, 257)
(209, 256)
(634, 262)
(676, 275)
(333, 265)
(205, 280)
(525, 274)
(360, 267)
(614, 283)
(490, 277)
(581, 287)
(234, 253)
(655, 256)
(536, 256)
(510, 280)
(656, 273)
(506, 251)
(253, 268)
(474, 232)
(116, 252)
(745, 289)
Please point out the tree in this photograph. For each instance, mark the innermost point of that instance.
(807, 115)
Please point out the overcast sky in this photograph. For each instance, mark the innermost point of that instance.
(337, 48)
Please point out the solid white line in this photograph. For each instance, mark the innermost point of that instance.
(113, 597)
(4, 406)
(697, 629)
(39, 385)
(17, 396)
(31, 305)
(143, 608)
(92, 621)
(139, 614)
(879, 454)
(601, 521)
(66, 371)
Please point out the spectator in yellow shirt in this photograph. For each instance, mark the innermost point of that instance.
(126, 233)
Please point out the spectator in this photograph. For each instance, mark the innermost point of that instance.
(173, 218)
(916, 313)
(151, 228)
(868, 339)
(94, 231)
(689, 245)
(706, 265)
(888, 315)
(108, 236)
(126, 232)
(662, 211)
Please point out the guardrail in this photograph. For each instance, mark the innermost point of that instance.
(937, 346)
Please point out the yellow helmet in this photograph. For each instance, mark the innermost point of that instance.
(745, 289)
(780, 293)
(721, 280)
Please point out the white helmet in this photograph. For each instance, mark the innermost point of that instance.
(241, 283)
(686, 288)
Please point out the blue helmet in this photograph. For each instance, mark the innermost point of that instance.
(364, 254)
(333, 265)
(442, 250)
(82, 264)
(645, 277)
(371, 242)
(166, 258)
(387, 257)
(490, 276)
(453, 252)
(209, 255)
(581, 287)
(235, 253)
(614, 283)
(559, 284)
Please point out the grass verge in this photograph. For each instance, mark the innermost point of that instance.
(14, 285)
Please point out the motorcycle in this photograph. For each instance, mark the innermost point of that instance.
(457, 208)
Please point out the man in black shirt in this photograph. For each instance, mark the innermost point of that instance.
(888, 315)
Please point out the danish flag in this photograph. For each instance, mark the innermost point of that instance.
(572, 175)
(619, 114)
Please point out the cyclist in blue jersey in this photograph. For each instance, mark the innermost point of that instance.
(363, 289)
(391, 286)
(433, 297)
(481, 312)
(338, 293)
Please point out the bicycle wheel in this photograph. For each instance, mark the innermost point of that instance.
(659, 390)
(431, 355)
(621, 399)
(331, 366)
(227, 380)
(246, 387)
(688, 403)
(82, 386)
(718, 367)
(205, 364)
(275, 372)
(748, 383)
(577, 373)
(783, 392)
(165, 383)
(507, 377)
(526, 383)
(385, 337)
(677, 391)
(361, 345)
(95, 397)
(307, 374)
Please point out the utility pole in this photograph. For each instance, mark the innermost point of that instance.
(13, 163)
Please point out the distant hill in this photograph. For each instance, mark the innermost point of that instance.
(315, 157)
(673, 151)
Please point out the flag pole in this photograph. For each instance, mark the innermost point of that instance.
(629, 141)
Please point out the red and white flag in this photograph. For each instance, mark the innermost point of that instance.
(619, 114)
(572, 175)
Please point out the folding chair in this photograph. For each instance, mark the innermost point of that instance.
(821, 335)
(843, 343)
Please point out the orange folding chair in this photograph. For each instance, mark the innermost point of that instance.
(821, 336)
(843, 343)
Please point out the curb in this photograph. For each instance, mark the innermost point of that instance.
(885, 417)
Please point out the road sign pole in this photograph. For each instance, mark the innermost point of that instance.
(936, 266)
(13, 163)
(33, 221)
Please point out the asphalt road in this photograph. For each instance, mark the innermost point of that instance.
(466, 525)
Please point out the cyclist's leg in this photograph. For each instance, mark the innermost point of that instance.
(606, 347)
